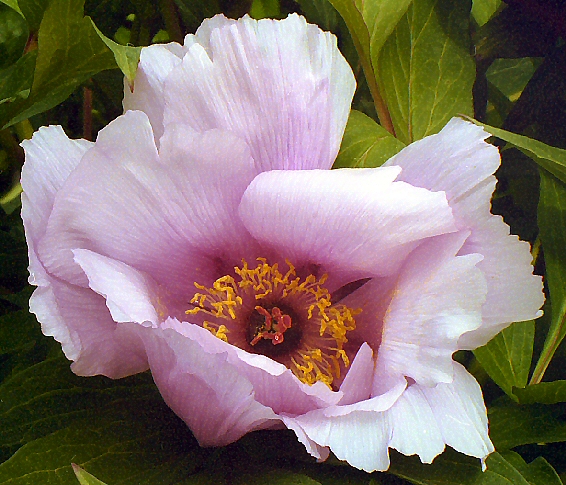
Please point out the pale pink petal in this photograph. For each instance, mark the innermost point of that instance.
(460, 413)
(458, 161)
(425, 418)
(274, 384)
(147, 93)
(438, 297)
(514, 293)
(50, 158)
(283, 86)
(359, 437)
(204, 389)
(174, 219)
(414, 429)
(359, 219)
(79, 319)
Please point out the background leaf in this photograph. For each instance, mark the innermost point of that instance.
(69, 52)
(544, 392)
(511, 425)
(507, 356)
(552, 224)
(425, 70)
(510, 468)
(84, 477)
(366, 144)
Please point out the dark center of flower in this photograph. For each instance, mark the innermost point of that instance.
(289, 319)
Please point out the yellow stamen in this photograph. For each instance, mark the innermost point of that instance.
(320, 354)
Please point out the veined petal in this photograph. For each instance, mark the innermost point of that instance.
(438, 297)
(458, 161)
(174, 219)
(205, 390)
(359, 219)
(50, 158)
(283, 86)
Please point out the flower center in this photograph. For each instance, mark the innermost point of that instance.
(282, 316)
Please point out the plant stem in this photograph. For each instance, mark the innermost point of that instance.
(87, 113)
(380, 106)
(550, 347)
(171, 19)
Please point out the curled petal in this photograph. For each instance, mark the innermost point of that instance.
(360, 219)
(437, 298)
(79, 319)
(50, 158)
(205, 390)
(164, 214)
(459, 161)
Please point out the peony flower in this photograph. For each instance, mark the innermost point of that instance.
(204, 237)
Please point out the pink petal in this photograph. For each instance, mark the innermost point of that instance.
(283, 86)
(458, 161)
(172, 219)
(207, 392)
(50, 158)
(438, 297)
(79, 319)
(355, 219)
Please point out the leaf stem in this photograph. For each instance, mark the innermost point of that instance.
(550, 347)
(171, 19)
(379, 103)
(87, 113)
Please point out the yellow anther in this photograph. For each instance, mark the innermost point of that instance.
(317, 359)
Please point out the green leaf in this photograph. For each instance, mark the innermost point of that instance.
(512, 425)
(507, 356)
(366, 143)
(127, 57)
(120, 431)
(16, 81)
(544, 393)
(13, 4)
(425, 71)
(262, 9)
(510, 468)
(84, 477)
(448, 468)
(370, 24)
(131, 443)
(550, 158)
(483, 10)
(69, 52)
(552, 225)
(13, 36)
(510, 76)
(31, 10)
(276, 477)
(18, 330)
(47, 397)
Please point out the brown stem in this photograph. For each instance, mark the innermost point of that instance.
(379, 103)
(87, 113)
(171, 19)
